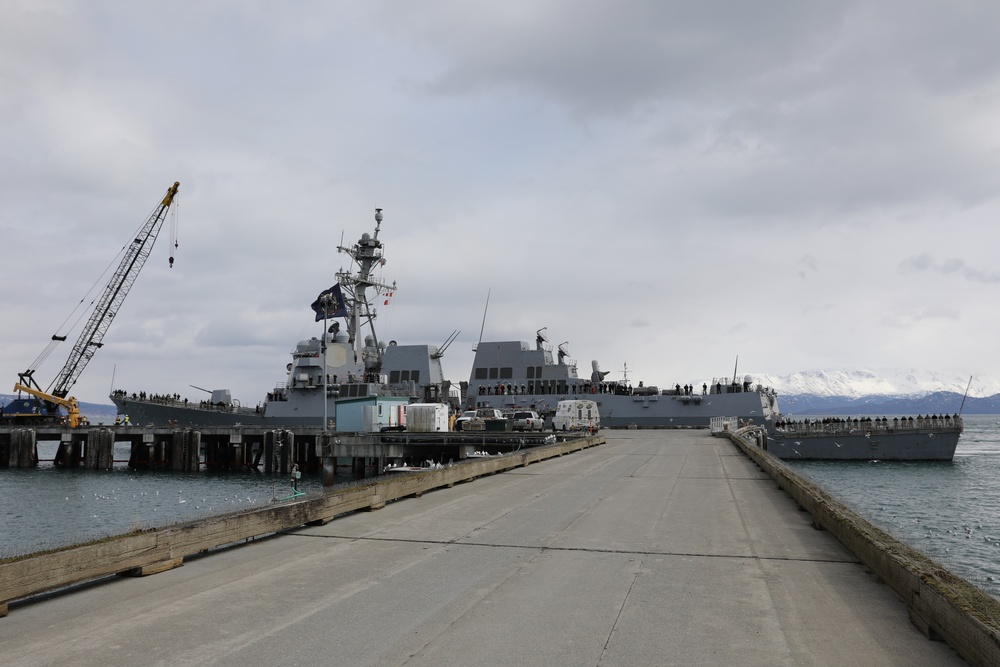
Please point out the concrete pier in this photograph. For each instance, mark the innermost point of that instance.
(656, 548)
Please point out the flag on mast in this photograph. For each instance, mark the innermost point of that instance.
(330, 303)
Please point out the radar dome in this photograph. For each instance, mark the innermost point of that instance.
(748, 379)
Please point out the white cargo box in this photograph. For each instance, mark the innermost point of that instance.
(426, 417)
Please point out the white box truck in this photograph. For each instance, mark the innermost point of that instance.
(576, 415)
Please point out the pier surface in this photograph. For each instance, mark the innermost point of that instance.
(656, 548)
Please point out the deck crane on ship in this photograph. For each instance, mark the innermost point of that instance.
(45, 404)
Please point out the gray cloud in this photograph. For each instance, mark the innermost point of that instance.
(650, 180)
(953, 266)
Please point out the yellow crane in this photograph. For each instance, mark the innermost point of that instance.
(44, 405)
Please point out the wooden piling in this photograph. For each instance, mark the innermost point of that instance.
(24, 449)
(99, 450)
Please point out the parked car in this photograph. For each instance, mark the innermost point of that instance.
(528, 420)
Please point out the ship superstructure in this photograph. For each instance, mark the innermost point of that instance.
(512, 375)
(347, 361)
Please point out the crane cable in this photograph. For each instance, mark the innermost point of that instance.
(174, 217)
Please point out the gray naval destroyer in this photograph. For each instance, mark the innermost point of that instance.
(921, 438)
(514, 375)
(346, 362)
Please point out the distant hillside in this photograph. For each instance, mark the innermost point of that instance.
(940, 402)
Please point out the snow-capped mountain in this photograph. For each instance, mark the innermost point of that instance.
(883, 391)
(882, 382)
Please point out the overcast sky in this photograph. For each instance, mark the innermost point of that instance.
(667, 185)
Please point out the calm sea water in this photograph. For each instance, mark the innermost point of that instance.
(48, 507)
(947, 510)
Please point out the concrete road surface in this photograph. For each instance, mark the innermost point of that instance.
(656, 548)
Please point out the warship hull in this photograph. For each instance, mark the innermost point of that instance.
(932, 443)
(176, 413)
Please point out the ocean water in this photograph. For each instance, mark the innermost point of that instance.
(948, 510)
(47, 507)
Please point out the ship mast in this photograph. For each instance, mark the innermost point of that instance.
(367, 253)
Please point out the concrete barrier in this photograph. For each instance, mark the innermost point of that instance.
(156, 550)
(940, 604)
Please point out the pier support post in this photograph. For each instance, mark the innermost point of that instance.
(269, 452)
(178, 451)
(194, 449)
(184, 450)
(138, 455)
(23, 449)
(98, 450)
(288, 437)
(327, 461)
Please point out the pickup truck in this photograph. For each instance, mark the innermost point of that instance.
(527, 420)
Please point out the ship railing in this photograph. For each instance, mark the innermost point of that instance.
(723, 424)
(870, 426)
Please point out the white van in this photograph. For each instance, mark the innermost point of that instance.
(576, 415)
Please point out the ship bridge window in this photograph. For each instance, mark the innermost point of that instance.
(396, 377)
(493, 373)
(481, 373)
(356, 390)
(531, 372)
(506, 373)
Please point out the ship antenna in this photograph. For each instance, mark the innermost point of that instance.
(485, 310)
(962, 407)
(735, 367)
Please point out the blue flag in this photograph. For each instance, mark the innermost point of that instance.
(334, 304)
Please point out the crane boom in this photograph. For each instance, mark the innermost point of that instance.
(48, 402)
(117, 289)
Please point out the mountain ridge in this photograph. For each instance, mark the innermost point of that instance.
(857, 383)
